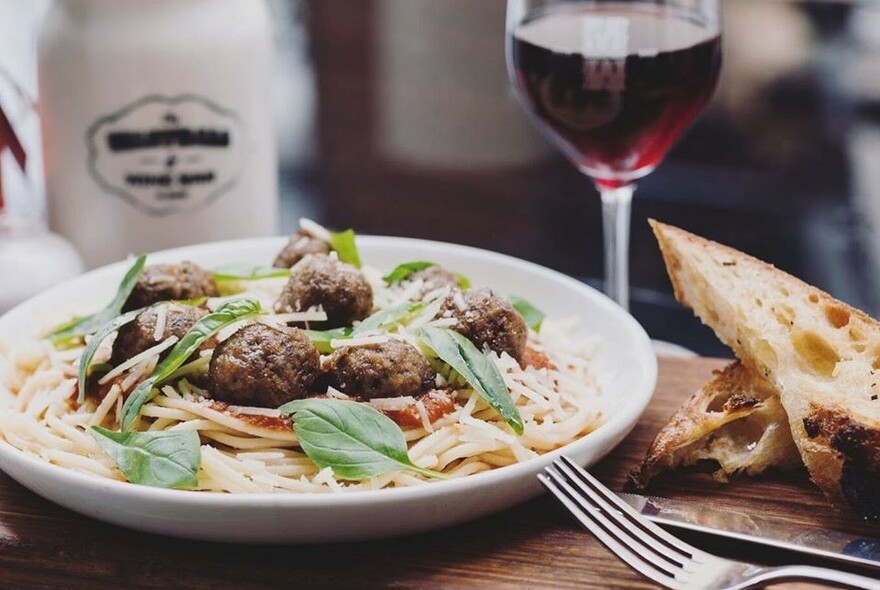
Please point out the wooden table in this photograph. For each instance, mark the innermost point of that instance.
(533, 545)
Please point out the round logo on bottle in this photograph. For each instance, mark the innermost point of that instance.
(164, 155)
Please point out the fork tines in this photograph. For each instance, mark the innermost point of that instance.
(640, 543)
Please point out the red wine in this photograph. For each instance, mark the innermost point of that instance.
(615, 85)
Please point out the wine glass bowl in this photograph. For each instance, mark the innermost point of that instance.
(613, 85)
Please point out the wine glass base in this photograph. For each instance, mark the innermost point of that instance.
(657, 304)
(670, 350)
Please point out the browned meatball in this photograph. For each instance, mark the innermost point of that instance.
(391, 369)
(341, 289)
(434, 277)
(299, 245)
(137, 336)
(264, 366)
(486, 319)
(166, 282)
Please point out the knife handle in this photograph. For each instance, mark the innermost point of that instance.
(820, 574)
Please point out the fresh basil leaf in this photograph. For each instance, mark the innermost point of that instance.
(65, 326)
(404, 270)
(387, 317)
(88, 352)
(321, 338)
(204, 328)
(344, 244)
(463, 281)
(199, 366)
(355, 440)
(248, 272)
(91, 323)
(158, 459)
(531, 314)
(476, 368)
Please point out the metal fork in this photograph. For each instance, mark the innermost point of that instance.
(658, 555)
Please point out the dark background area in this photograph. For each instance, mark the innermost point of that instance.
(397, 117)
(416, 133)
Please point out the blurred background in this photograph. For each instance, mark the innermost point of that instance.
(396, 117)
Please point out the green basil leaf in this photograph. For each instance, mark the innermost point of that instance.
(64, 327)
(344, 244)
(204, 328)
(248, 272)
(321, 338)
(88, 352)
(476, 368)
(355, 440)
(531, 314)
(404, 270)
(90, 324)
(158, 459)
(387, 317)
(463, 281)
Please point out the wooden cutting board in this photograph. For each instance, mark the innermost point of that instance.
(535, 545)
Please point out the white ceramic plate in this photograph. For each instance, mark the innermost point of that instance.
(625, 365)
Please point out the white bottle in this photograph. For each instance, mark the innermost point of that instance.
(157, 123)
(31, 259)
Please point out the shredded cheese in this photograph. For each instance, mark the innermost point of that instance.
(423, 415)
(315, 314)
(125, 365)
(161, 320)
(364, 341)
(392, 403)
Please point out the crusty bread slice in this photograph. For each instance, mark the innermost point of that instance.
(735, 420)
(820, 354)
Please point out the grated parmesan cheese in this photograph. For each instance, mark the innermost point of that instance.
(423, 414)
(364, 341)
(136, 359)
(315, 230)
(459, 301)
(313, 314)
(335, 393)
(161, 320)
(392, 403)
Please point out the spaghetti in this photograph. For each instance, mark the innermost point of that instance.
(253, 450)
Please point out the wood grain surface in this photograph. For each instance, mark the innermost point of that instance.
(535, 545)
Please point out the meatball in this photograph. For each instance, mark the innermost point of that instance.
(434, 277)
(165, 282)
(264, 366)
(138, 335)
(341, 289)
(486, 319)
(300, 245)
(391, 369)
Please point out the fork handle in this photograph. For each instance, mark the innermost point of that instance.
(819, 574)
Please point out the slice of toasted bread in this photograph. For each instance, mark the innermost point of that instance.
(735, 420)
(820, 354)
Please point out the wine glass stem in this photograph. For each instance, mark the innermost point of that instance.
(616, 204)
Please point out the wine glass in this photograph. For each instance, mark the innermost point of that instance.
(613, 84)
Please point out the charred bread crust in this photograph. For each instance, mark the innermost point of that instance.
(857, 448)
(694, 432)
(740, 401)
